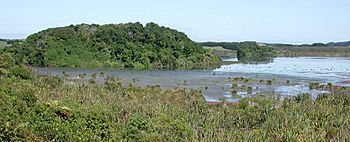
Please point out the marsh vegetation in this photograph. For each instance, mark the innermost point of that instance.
(46, 108)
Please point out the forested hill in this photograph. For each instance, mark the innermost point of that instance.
(129, 45)
(247, 49)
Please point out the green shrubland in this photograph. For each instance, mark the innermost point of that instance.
(46, 108)
(130, 45)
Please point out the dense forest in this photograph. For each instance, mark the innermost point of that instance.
(248, 49)
(129, 45)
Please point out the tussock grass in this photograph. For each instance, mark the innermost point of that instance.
(45, 108)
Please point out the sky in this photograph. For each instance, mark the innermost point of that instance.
(275, 21)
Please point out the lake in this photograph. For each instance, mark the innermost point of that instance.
(290, 77)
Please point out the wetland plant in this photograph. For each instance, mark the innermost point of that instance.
(102, 74)
(261, 81)
(92, 81)
(314, 85)
(81, 76)
(65, 75)
(238, 78)
(234, 86)
(269, 82)
(234, 94)
(223, 100)
(329, 85)
(250, 89)
(94, 75)
(185, 82)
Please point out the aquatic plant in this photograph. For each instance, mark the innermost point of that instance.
(288, 81)
(314, 85)
(329, 85)
(269, 82)
(234, 94)
(94, 75)
(92, 81)
(81, 76)
(249, 89)
(102, 74)
(234, 86)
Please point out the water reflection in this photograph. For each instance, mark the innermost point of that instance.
(255, 60)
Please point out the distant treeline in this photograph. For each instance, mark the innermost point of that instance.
(332, 51)
(245, 49)
(129, 45)
(11, 41)
(346, 43)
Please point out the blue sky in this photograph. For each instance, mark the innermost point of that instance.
(287, 21)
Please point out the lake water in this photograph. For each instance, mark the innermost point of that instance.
(217, 83)
(327, 69)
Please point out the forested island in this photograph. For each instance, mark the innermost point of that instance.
(129, 45)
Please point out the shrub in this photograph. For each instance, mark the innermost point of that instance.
(20, 71)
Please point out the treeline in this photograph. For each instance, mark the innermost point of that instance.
(11, 41)
(129, 45)
(346, 43)
(331, 51)
(248, 49)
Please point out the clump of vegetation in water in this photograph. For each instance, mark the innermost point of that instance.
(250, 89)
(313, 85)
(102, 74)
(94, 76)
(269, 82)
(238, 79)
(288, 81)
(234, 86)
(81, 76)
(235, 94)
(261, 81)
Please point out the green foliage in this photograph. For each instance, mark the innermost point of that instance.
(7, 61)
(45, 108)
(129, 45)
(253, 50)
(21, 71)
(246, 51)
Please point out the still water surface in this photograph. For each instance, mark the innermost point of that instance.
(299, 71)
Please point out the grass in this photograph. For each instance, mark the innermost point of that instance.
(44, 108)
